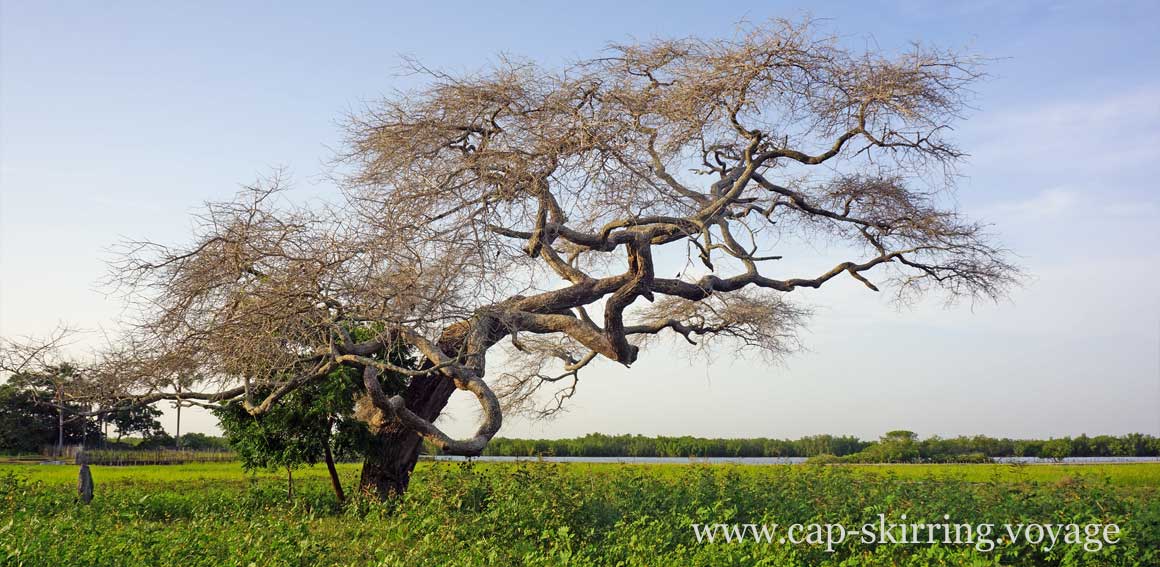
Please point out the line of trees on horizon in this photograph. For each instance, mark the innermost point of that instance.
(895, 446)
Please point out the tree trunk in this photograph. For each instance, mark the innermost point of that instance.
(290, 484)
(387, 469)
(334, 480)
(59, 432)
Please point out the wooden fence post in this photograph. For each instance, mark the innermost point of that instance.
(85, 484)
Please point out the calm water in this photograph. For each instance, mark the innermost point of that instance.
(768, 460)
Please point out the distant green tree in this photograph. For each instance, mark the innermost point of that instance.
(1082, 447)
(1057, 449)
(899, 436)
(1028, 448)
(27, 422)
(899, 446)
(53, 385)
(135, 419)
(161, 440)
(31, 418)
(894, 446)
(203, 442)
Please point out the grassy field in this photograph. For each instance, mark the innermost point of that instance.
(560, 514)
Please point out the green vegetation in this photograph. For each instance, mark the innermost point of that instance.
(203, 442)
(314, 422)
(894, 447)
(299, 431)
(552, 514)
(34, 413)
(131, 420)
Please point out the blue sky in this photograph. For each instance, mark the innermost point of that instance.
(119, 119)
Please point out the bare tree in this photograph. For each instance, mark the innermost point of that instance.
(531, 206)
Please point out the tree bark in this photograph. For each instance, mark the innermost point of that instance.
(59, 432)
(334, 480)
(388, 465)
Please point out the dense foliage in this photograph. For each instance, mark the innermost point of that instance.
(29, 420)
(312, 423)
(136, 420)
(36, 411)
(203, 442)
(297, 431)
(545, 514)
(894, 447)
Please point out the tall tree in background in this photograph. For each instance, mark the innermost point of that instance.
(532, 207)
(135, 420)
(41, 381)
(30, 421)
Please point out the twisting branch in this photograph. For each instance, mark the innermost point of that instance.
(395, 408)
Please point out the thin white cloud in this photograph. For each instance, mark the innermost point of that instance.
(1060, 202)
(1136, 105)
(1132, 209)
(1049, 203)
(1108, 133)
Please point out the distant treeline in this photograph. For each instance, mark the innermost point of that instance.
(895, 446)
(188, 441)
(600, 445)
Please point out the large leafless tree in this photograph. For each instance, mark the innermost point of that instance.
(528, 208)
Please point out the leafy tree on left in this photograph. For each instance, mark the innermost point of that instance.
(30, 418)
(52, 398)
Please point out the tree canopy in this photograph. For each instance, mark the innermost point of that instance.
(527, 207)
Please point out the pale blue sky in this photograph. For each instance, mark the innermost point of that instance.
(119, 119)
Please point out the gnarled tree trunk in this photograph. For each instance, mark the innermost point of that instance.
(388, 465)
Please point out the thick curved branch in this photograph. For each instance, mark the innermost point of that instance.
(395, 408)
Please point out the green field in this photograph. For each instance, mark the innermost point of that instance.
(554, 514)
